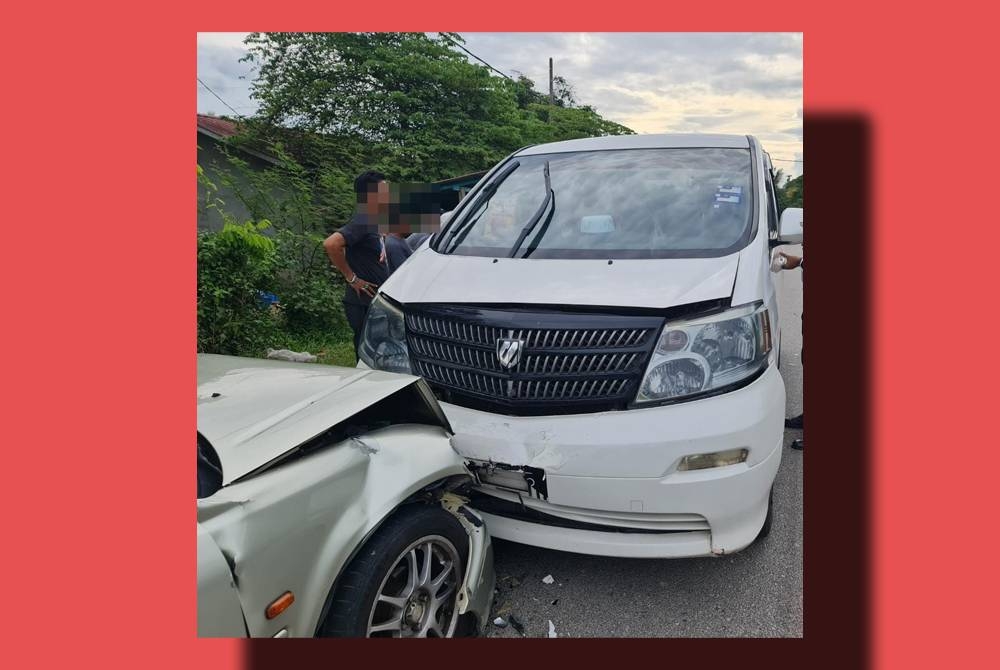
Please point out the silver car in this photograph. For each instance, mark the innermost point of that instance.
(330, 503)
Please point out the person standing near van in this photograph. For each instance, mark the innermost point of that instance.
(364, 255)
(791, 262)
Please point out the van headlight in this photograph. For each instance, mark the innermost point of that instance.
(703, 355)
(383, 341)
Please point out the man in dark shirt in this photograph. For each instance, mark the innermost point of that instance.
(363, 255)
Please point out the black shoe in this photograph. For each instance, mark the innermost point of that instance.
(797, 444)
(794, 422)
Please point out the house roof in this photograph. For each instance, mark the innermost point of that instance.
(216, 127)
(222, 129)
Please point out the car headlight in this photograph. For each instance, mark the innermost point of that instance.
(383, 341)
(703, 355)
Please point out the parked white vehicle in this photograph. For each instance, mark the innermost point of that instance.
(330, 504)
(599, 320)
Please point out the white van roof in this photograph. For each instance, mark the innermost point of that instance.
(666, 141)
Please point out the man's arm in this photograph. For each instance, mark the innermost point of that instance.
(336, 246)
(790, 260)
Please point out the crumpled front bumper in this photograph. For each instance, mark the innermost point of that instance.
(608, 483)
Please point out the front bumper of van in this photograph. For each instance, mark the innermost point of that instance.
(609, 484)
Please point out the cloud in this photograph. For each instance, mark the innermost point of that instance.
(220, 68)
(670, 82)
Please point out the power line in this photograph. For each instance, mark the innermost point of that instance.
(474, 56)
(217, 96)
(787, 160)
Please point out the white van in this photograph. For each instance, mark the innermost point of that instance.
(599, 321)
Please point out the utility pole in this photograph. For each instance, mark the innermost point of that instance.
(552, 95)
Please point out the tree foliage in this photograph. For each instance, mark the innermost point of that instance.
(788, 190)
(410, 104)
(791, 192)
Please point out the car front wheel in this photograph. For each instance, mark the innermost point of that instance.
(405, 581)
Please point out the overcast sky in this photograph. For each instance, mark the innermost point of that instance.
(747, 83)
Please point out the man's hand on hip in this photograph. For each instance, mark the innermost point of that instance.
(362, 287)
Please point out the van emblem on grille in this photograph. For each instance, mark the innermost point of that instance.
(509, 351)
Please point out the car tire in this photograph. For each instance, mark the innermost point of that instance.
(377, 590)
(765, 530)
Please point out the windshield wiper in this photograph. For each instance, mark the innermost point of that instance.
(541, 231)
(459, 233)
(549, 195)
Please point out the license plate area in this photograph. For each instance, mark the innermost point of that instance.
(521, 479)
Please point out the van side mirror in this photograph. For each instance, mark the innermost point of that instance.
(790, 226)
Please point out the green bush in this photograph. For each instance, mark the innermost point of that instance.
(310, 291)
(235, 265)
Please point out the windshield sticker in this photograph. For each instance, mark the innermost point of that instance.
(728, 194)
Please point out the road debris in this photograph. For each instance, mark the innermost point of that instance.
(552, 629)
(499, 622)
(547, 579)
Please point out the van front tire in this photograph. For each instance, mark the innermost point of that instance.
(765, 530)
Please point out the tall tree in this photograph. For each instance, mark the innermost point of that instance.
(414, 100)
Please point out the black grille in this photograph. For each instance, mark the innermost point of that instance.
(569, 362)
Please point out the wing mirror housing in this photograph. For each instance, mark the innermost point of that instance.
(790, 226)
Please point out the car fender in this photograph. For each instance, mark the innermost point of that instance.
(295, 527)
(219, 613)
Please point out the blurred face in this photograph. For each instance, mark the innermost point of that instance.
(402, 209)
(378, 199)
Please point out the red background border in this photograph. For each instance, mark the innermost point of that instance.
(99, 329)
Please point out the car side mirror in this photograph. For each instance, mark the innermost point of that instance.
(445, 216)
(790, 226)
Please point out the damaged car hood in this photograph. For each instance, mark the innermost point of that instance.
(652, 283)
(253, 411)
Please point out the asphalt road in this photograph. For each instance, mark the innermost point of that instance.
(754, 593)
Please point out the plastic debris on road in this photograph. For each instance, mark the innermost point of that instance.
(552, 630)
(547, 579)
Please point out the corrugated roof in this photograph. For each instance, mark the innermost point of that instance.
(215, 126)
(223, 129)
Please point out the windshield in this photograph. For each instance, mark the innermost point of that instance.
(636, 203)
